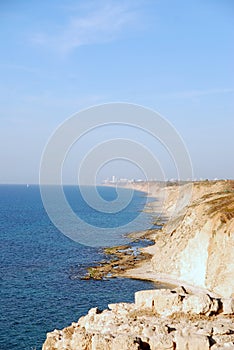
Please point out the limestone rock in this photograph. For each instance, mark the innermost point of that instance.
(161, 342)
(100, 342)
(94, 311)
(187, 341)
(80, 340)
(121, 307)
(225, 346)
(228, 306)
(125, 342)
(222, 329)
(200, 304)
(180, 290)
(162, 301)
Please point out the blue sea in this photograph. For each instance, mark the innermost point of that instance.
(41, 268)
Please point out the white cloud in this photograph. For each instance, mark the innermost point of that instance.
(99, 25)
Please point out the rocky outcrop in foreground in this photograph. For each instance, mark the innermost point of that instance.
(158, 320)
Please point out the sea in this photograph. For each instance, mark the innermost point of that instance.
(41, 268)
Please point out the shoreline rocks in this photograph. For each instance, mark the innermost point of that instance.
(158, 320)
(119, 259)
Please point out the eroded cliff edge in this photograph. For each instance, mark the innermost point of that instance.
(196, 245)
(158, 320)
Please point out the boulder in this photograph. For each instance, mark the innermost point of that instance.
(200, 304)
(162, 301)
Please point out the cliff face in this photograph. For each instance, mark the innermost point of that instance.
(196, 245)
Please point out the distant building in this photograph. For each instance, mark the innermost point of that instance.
(123, 180)
(114, 179)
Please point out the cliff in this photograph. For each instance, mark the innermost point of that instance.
(194, 248)
(196, 245)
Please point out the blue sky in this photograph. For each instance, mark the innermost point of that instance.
(58, 57)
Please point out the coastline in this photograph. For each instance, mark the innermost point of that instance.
(197, 238)
(122, 258)
(140, 268)
(191, 247)
(202, 216)
(130, 266)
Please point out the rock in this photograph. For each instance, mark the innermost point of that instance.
(222, 329)
(121, 307)
(160, 342)
(228, 306)
(157, 329)
(151, 323)
(200, 304)
(144, 298)
(100, 342)
(180, 290)
(215, 306)
(50, 342)
(225, 346)
(162, 301)
(94, 311)
(186, 341)
(229, 346)
(125, 342)
(80, 340)
(208, 331)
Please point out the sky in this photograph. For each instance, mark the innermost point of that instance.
(60, 57)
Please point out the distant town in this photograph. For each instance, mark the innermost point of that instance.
(115, 180)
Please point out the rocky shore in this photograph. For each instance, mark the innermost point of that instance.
(194, 250)
(119, 259)
(158, 320)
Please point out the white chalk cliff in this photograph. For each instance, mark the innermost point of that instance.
(196, 245)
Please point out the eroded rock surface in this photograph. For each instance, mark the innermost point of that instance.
(158, 320)
(196, 245)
